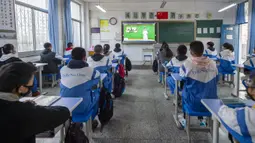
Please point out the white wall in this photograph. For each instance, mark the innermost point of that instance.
(117, 10)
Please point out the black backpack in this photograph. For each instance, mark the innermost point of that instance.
(119, 85)
(75, 134)
(105, 106)
(155, 66)
(128, 64)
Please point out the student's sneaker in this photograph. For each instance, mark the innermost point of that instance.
(182, 121)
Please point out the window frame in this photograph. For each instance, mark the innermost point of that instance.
(33, 9)
(79, 21)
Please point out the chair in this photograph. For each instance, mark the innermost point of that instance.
(107, 82)
(189, 113)
(50, 79)
(169, 80)
(193, 91)
(225, 68)
(147, 54)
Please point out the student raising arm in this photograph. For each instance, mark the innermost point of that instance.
(19, 121)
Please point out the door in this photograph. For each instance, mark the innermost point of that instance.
(230, 34)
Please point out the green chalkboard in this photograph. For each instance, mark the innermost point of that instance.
(212, 28)
(176, 32)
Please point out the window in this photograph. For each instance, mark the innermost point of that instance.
(32, 25)
(76, 23)
(246, 11)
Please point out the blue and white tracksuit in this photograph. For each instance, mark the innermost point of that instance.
(200, 82)
(211, 54)
(227, 55)
(174, 67)
(241, 120)
(97, 60)
(76, 82)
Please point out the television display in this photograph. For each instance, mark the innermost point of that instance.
(139, 32)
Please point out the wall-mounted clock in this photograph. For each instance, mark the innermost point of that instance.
(113, 21)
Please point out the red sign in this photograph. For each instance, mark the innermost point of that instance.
(162, 15)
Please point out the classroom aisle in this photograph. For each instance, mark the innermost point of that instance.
(142, 115)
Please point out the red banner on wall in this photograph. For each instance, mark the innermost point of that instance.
(162, 15)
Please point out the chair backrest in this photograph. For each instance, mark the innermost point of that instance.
(226, 66)
(195, 90)
(84, 90)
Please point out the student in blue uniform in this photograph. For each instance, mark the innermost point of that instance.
(98, 59)
(117, 51)
(242, 120)
(108, 53)
(227, 53)
(68, 52)
(211, 52)
(73, 78)
(9, 56)
(199, 74)
(175, 64)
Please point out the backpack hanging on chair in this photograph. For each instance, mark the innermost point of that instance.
(75, 134)
(105, 106)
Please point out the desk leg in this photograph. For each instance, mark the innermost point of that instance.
(215, 130)
(40, 79)
(166, 96)
(176, 105)
(62, 135)
(236, 89)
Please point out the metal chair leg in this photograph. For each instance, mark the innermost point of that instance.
(188, 128)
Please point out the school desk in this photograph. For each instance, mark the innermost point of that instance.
(213, 105)
(177, 78)
(236, 90)
(40, 69)
(71, 104)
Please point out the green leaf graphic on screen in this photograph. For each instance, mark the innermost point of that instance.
(139, 32)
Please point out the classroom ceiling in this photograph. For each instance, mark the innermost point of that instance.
(131, 1)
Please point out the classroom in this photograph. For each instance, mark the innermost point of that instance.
(127, 71)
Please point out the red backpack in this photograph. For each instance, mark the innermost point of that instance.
(121, 70)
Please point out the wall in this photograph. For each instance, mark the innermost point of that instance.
(135, 52)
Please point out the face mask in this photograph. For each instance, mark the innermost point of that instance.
(28, 91)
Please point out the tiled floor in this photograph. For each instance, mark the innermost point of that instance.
(143, 115)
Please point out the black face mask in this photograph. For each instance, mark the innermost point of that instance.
(28, 91)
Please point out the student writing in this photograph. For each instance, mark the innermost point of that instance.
(19, 121)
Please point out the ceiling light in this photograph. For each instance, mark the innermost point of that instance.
(100, 8)
(163, 4)
(227, 7)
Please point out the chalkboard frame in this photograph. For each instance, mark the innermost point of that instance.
(178, 21)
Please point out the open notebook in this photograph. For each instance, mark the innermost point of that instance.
(42, 100)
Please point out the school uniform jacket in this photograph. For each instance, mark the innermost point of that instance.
(68, 54)
(97, 60)
(211, 54)
(76, 82)
(8, 58)
(200, 82)
(175, 63)
(250, 63)
(240, 120)
(227, 55)
(109, 56)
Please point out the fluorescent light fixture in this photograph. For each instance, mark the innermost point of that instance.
(163, 4)
(227, 7)
(100, 8)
